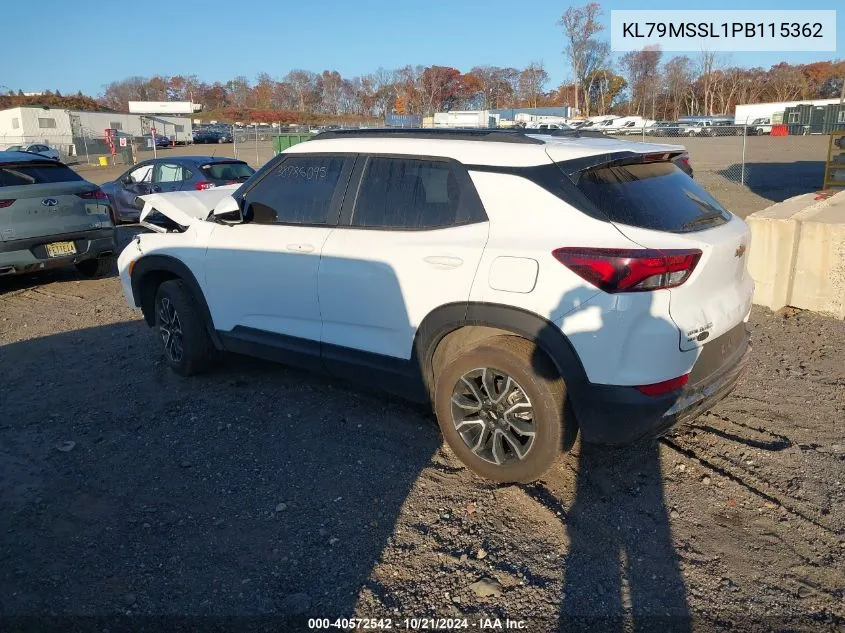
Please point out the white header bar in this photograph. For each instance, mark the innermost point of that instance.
(724, 30)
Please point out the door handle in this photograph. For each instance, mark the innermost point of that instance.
(443, 262)
(300, 248)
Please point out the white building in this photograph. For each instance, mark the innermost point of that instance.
(748, 112)
(466, 118)
(67, 130)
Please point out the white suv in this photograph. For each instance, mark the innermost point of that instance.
(527, 286)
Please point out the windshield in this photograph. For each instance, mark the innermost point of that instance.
(14, 175)
(235, 171)
(652, 196)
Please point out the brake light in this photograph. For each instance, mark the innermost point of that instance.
(203, 185)
(6, 203)
(659, 388)
(97, 194)
(630, 270)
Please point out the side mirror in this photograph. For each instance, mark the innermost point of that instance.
(228, 211)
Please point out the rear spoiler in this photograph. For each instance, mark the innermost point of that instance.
(576, 167)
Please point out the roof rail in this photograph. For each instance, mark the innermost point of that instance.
(456, 134)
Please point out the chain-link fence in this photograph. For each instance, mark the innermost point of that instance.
(81, 147)
(725, 156)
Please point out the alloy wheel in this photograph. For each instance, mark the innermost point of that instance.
(493, 415)
(170, 329)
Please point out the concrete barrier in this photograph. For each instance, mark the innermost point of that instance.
(797, 254)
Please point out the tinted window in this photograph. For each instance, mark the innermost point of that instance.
(415, 194)
(236, 172)
(297, 191)
(35, 174)
(652, 196)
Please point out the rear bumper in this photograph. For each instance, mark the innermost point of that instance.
(610, 414)
(30, 255)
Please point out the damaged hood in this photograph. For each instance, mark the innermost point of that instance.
(186, 207)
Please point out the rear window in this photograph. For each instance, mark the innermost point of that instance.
(13, 175)
(238, 172)
(652, 196)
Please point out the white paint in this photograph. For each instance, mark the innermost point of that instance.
(513, 274)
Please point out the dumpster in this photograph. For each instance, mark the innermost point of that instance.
(283, 141)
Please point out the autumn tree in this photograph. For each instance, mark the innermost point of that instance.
(580, 26)
(643, 78)
(531, 83)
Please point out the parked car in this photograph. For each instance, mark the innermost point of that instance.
(666, 128)
(529, 288)
(212, 136)
(176, 173)
(760, 126)
(51, 217)
(37, 148)
(709, 128)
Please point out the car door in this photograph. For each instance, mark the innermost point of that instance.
(169, 176)
(261, 276)
(133, 183)
(409, 241)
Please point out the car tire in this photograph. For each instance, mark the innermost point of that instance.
(486, 439)
(99, 267)
(188, 349)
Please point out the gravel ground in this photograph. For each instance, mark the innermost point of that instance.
(258, 492)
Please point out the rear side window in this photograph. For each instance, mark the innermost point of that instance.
(402, 193)
(13, 175)
(297, 191)
(238, 172)
(651, 196)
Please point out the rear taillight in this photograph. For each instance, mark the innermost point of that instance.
(203, 185)
(6, 203)
(630, 270)
(659, 388)
(97, 194)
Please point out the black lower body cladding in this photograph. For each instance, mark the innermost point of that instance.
(610, 414)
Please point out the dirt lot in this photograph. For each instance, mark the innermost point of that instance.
(257, 492)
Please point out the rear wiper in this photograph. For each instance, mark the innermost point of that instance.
(703, 219)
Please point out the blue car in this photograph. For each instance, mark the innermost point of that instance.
(176, 173)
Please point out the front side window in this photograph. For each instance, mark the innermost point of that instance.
(404, 193)
(16, 123)
(144, 173)
(116, 125)
(45, 123)
(298, 191)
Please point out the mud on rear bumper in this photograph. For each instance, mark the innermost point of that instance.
(610, 414)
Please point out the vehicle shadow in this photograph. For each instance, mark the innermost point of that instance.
(251, 491)
(778, 181)
(621, 569)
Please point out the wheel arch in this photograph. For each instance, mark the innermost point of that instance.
(483, 320)
(150, 271)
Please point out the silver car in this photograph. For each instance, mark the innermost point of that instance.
(51, 217)
(36, 148)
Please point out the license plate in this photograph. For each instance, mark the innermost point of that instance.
(60, 249)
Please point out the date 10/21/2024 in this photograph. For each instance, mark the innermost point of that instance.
(417, 624)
